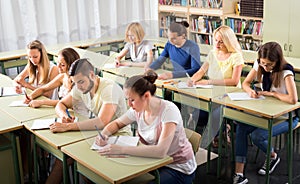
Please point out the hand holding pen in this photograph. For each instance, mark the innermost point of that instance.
(101, 140)
(27, 99)
(69, 118)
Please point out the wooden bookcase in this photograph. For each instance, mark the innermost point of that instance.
(205, 17)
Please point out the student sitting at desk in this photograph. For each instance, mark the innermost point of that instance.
(184, 54)
(101, 96)
(62, 81)
(277, 78)
(223, 67)
(140, 50)
(160, 128)
(39, 70)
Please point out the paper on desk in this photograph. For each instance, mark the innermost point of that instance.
(183, 85)
(45, 123)
(112, 65)
(18, 104)
(121, 140)
(8, 91)
(243, 96)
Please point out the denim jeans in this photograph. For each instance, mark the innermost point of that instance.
(259, 137)
(168, 175)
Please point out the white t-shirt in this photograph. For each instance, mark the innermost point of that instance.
(180, 148)
(140, 54)
(108, 92)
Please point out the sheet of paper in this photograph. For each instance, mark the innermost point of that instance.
(18, 104)
(8, 91)
(183, 85)
(121, 140)
(45, 123)
(112, 65)
(242, 96)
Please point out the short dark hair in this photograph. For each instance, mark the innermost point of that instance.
(81, 66)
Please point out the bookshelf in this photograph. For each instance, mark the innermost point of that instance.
(204, 16)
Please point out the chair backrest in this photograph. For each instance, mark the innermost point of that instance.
(194, 139)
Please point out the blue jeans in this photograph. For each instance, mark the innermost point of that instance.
(259, 137)
(168, 175)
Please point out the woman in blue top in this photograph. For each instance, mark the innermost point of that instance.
(184, 54)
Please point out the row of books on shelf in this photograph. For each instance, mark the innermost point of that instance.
(246, 43)
(203, 39)
(205, 24)
(174, 2)
(165, 21)
(249, 43)
(206, 3)
(251, 27)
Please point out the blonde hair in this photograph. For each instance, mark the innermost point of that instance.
(44, 64)
(137, 30)
(229, 38)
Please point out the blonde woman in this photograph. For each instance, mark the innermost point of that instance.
(224, 63)
(140, 50)
(223, 67)
(39, 69)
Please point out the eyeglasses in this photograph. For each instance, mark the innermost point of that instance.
(267, 65)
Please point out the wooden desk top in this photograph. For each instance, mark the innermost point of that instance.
(114, 170)
(14, 54)
(6, 81)
(22, 114)
(269, 108)
(57, 140)
(8, 123)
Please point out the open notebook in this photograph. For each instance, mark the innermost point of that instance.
(119, 140)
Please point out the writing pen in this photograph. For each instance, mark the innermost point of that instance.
(188, 76)
(254, 88)
(99, 133)
(26, 94)
(68, 113)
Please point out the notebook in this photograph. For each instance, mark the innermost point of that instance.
(45, 123)
(243, 96)
(8, 91)
(119, 140)
(183, 85)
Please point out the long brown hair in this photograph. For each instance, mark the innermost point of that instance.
(272, 51)
(44, 64)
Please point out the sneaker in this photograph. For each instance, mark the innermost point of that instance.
(273, 164)
(238, 179)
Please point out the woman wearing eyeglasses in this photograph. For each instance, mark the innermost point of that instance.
(277, 80)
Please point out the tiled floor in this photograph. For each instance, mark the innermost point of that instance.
(279, 176)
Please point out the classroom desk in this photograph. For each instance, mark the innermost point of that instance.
(11, 55)
(8, 125)
(201, 99)
(22, 114)
(263, 114)
(6, 81)
(100, 169)
(53, 142)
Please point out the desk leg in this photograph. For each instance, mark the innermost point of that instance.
(209, 145)
(35, 160)
(290, 143)
(269, 151)
(76, 179)
(15, 157)
(220, 142)
(65, 169)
